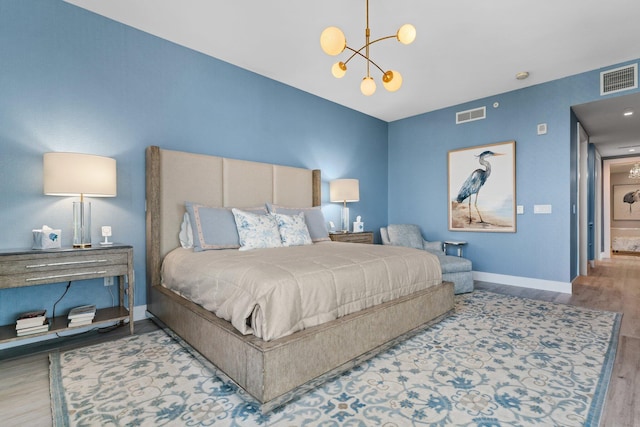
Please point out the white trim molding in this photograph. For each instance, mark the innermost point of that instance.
(524, 282)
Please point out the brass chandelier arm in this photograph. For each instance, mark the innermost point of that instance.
(333, 43)
(382, 38)
(358, 52)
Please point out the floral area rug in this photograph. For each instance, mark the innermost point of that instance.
(497, 361)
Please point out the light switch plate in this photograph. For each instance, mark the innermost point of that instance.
(542, 129)
(541, 209)
(520, 209)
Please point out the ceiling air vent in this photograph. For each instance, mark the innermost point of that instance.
(619, 79)
(471, 115)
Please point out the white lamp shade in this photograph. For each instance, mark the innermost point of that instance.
(73, 174)
(406, 34)
(368, 86)
(333, 41)
(344, 190)
(392, 80)
(339, 69)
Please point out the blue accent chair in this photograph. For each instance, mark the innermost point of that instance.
(454, 269)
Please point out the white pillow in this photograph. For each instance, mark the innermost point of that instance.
(186, 232)
(256, 231)
(293, 229)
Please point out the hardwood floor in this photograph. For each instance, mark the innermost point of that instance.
(24, 375)
(612, 285)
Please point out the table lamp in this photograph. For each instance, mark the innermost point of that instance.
(344, 190)
(75, 174)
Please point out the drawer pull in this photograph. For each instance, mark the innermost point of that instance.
(57, 264)
(60, 276)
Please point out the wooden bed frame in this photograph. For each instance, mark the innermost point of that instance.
(272, 372)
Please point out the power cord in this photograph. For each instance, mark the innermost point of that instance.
(60, 299)
(100, 330)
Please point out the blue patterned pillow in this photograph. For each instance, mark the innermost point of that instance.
(256, 231)
(293, 229)
(314, 218)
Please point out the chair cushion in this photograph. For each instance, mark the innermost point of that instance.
(454, 264)
(408, 235)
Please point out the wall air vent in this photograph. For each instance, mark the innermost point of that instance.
(619, 79)
(471, 115)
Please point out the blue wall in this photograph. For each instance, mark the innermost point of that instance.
(71, 80)
(74, 81)
(544, 245)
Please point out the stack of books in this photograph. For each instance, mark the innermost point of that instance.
(32, 322)
(82, 315)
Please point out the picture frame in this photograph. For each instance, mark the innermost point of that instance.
(626, 202)
(482, 188)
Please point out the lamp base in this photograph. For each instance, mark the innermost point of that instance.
(345, 219)
(81, 224)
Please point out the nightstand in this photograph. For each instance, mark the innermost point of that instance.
(23, 268)
(362, 237)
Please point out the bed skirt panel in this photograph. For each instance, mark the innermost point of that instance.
(273, 371)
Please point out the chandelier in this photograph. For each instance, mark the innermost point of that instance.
(333, 42)
(634, 173)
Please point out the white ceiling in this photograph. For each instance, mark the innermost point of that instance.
(464, 50)
(609, 129)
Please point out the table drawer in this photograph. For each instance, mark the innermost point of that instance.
(35, 266)
(61, 275)
(359, 239)
(363, 237)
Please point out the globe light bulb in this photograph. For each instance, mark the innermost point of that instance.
(392, 80)
(339, 69)
(332, 41)
(406, 34)
(368, 86)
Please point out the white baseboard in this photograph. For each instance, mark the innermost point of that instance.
(524, 282)
(139, 313)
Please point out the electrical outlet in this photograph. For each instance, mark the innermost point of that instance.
(109, 281)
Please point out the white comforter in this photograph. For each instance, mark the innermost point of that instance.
(275, 292)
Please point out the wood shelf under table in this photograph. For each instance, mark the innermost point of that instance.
(26, 268)
(60, 323)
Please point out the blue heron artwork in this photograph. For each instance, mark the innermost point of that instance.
(626, 202)
(482, 188)
(631, 197)
(475, 181)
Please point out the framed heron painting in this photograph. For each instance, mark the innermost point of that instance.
(482, 188)
(626, 202)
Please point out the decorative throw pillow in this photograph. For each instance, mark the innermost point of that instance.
(213, 227)
(313, 217)
(256, 231)
(293, 229)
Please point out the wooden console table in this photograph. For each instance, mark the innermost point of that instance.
(23, 268)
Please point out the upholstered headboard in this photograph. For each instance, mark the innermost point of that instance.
(174, 177)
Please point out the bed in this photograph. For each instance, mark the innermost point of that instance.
(272, 371)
